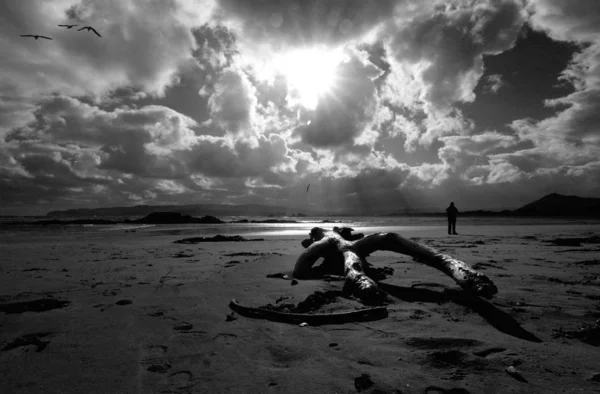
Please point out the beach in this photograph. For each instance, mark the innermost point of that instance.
(131, 311)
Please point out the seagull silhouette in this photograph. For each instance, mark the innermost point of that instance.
(307, 187)
(35, 36)
(68, 26)
(90, 28)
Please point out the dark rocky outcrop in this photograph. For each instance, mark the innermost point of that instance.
(174, 218)
(193, 210)
(153, 218)
(77, 221)
(559, 205)
(216, 238)
(41, 305)
(264, 221)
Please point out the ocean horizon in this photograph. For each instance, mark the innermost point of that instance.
(367, 225)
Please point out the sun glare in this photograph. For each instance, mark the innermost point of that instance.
(310, 73)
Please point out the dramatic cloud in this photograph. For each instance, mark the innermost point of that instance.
(381, 106)
(343, 114)
(459, 153)
(445, 46)
(493, 83)
(300, 23)
(232, 104)
(569, 139)
(143, 44)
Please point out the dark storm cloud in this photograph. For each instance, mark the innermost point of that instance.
(571, 136)
(493, 83)
(577, 22)
(143, 45)
(567, 20)
(305, 22)
(449, 42)
(530, 73)
(218, 157)
(233, 101)
(461, 152)
(141, 154)
(372, 191)
(66, 119)
(343, 114)
(72, 144)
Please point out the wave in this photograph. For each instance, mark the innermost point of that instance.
(118, 227)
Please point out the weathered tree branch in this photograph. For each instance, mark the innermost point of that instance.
(338, 251)
(464, 275)
(314, 319)
(327, 244)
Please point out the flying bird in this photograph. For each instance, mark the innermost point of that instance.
(68, 26)
(90, 28)
(35, 36)
(307, 187)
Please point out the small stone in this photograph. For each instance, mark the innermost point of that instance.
(363, 382)
(159, 368)
(512, 371)
(595, 377)
(156, 314)
(231, 317)
(294, 282)
(183, 327)
(303, 324)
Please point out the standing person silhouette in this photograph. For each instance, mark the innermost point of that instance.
(451, 211)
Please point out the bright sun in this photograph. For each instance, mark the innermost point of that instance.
(310, 73)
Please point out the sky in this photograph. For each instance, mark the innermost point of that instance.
(380, 105)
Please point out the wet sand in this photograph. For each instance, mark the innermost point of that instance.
(135, 312)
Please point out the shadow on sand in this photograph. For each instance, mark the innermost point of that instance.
(499, 319)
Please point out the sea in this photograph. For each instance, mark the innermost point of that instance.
(413, 226)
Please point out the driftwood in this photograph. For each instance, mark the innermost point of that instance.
(162, 279)
(314, 319)
(339, 253)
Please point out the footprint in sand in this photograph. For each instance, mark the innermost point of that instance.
(437, 390)
(181, 379)
(486, 352)
(231, 263)
(28, 341)
(110, 293)
(363, 382)
(183, 326)
(152, 359)
(182, 255)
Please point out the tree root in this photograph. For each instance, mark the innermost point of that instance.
(313, 319)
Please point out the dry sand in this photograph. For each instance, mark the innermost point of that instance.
(145, 315)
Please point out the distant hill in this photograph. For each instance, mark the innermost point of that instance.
(552, 205)
(173, 218)
(192, 210)
(559, 205)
